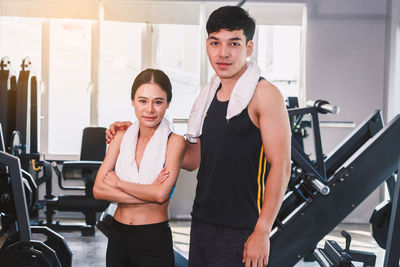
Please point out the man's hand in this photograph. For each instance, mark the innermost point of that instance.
(256, 249)
(111, 179)
(162, 176)
(115, 127)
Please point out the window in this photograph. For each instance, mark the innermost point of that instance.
(120, 62)
(15, 34)
(21, 38)
(178, 54)
(279, 56)
(69, 88)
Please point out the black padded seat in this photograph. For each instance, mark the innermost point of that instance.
(93, 151)
(81, 169)
(93, 144)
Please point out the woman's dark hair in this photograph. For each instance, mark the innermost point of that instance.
(152, 76)
(231, 18)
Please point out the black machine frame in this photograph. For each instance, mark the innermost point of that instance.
(20, 248)
(392, 254)
(309, 214)
(298, 154)
(21, 212)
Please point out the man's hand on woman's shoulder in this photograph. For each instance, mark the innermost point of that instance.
(115, 127)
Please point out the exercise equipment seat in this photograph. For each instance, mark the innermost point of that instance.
(92, 154)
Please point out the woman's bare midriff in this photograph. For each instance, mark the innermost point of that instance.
(139, 214)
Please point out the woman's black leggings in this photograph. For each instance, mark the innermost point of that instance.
(147, 245)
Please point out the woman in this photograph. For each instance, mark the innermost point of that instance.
(147, 160)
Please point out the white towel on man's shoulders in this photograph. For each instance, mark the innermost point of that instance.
(240, 97)
(153, 158)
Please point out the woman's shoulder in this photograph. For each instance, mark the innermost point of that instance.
(120, 134)
(176, 140)
(118, 137)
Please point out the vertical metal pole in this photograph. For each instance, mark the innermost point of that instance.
(391, 53)
(2, 146)
(391, 185)
(94, 92)
(44, 88)
(95, 66)
(148, 46)
(302, 67)
(318, 145)
(23, 102)
(4, 78)
(392, 254)
(254, 56)
(203, 54)
(34, 115)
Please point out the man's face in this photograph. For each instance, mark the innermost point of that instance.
(228, 52)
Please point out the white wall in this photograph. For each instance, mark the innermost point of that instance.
(182, 200)
(392, 81)
(345, 57)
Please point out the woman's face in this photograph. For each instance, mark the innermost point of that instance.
(150, 104)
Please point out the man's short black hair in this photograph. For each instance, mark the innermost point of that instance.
(231, 18)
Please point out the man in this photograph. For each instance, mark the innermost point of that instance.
(238, 194)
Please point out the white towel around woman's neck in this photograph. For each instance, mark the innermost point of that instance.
(153, 158)
(240, 97)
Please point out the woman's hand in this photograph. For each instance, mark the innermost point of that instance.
(111, 179)
(162, 176)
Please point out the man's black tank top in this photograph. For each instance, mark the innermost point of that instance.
(233, 169)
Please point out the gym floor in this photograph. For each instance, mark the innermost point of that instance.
(90, 251)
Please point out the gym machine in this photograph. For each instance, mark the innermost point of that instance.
(333, 255)
(385, 218)
(20, 249)
(19, 111)
(322, 192)
(93, 151)
(19, 119)
(19, 116)
(7, 99)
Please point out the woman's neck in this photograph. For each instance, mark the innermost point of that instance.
(146, 133)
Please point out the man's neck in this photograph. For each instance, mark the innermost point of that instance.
(227, 84)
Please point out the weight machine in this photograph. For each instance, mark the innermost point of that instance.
(322, 192)
(19, 117)
(92, 154)
(20, 249)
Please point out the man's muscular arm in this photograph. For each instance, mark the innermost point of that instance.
(191, 158)
(272, 117)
